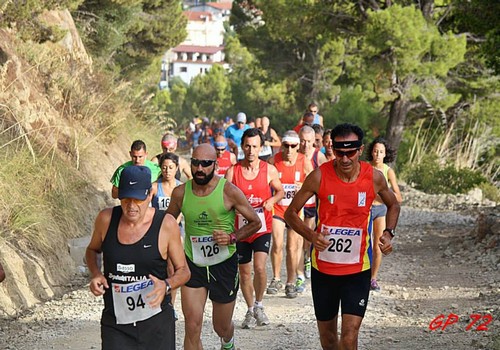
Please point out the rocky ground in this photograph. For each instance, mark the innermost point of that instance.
(439, 271)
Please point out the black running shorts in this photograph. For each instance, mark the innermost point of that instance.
(349, 291)
(157, 332)
(245, 249)
(221, 280)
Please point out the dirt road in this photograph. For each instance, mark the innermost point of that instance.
(436, 269)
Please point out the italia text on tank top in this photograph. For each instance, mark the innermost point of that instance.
(257, 191)
(202, 216)
(289, 177)
(224, 163)
(127, 268)
(343, 211)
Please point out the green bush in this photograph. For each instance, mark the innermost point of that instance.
(490, 191)
(430, 177)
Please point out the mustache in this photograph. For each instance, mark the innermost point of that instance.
(200, 173)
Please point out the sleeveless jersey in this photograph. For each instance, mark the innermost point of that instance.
(257, 192)
(344, 211)
(289, 176)
(266, 150)
(127, 267)
(224, 163)
(160, 200)
(202, 216)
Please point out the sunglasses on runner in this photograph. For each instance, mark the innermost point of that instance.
(203, 162)
(286, 145)
(349, 154)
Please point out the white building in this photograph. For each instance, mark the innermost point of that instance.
(203, 47)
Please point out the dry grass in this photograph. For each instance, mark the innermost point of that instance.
(464, 147)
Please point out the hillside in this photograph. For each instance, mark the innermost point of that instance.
(63, 132)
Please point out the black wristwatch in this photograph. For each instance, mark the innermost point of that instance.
(391, 231)
(169, 289)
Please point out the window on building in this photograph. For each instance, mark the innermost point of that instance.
(183, 69)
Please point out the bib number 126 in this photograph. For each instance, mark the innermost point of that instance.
(209, 250)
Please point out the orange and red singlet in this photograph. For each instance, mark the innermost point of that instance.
(257, 192)
(224, 163)
(344, 212)
(289, 177)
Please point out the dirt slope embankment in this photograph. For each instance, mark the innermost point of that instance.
(55, 170)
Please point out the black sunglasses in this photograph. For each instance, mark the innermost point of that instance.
(349, 154)
(220, 149)
(286, 145)
(203, 162)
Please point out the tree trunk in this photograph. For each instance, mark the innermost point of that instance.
(427, 8)
(397, 117)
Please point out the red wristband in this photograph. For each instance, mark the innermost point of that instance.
(232, 238)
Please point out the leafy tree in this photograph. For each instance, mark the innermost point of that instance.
(178, 92)
(253, 92)
(302, 50)
(130, 34)
(405, 60)
(209, 94)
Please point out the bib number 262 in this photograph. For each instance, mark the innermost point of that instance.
(340, 245)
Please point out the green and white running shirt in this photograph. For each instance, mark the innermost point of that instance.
(202, 216)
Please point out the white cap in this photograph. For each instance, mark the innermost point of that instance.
(241, 118)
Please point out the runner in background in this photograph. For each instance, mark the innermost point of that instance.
(292, 167)
(138, 154)
(328, 145)
(307, 148)
(209, 204)
(380, 153)
(235, 132)
(271, 139)
(225, 159)
(260, 183)
(169, 143)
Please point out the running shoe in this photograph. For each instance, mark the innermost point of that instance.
(249, 320)
(374, 285)
(274, 286)
(260, 316)
(307, 268)
(228, 346)
(290, 291)
(300, 285)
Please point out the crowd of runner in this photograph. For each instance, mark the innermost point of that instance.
(207, 227)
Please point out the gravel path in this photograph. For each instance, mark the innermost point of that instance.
(436, 269)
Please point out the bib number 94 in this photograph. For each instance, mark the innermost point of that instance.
(132, 304)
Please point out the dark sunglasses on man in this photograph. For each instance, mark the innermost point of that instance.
(203, 162)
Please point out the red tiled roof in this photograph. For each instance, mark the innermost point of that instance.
(221, 5)
(197, 15)
(196, 48)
